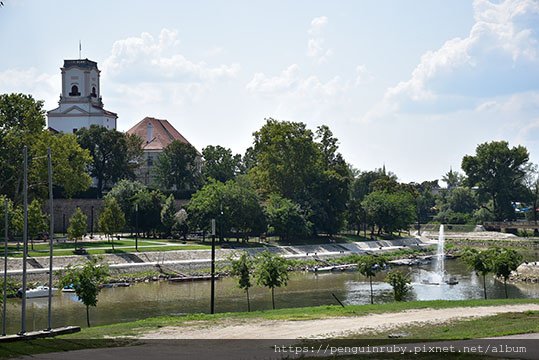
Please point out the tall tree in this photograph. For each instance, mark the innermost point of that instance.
(287, 160)
(176, 167)
(498, 172)
(22, 122)
(220, 164)
(149, 204)
(111, 152)
(389, 211)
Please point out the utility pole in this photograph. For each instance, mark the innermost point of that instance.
(212, 299)
(24, 239)
(51, 237)
(4, 303)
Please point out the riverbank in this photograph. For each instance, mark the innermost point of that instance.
(199, 261)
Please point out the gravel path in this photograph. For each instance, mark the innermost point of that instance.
(332, 327)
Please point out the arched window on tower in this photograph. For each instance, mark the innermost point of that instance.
(74, 91)
(94, 94)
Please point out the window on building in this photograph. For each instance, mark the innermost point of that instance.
(150, 161)
(74, 91)
(94, 94)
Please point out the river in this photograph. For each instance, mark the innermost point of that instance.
(304, 289)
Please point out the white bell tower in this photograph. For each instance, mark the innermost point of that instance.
(80, 103)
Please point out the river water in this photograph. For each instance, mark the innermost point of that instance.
(304, 289)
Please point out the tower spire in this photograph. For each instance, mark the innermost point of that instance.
(80, 49)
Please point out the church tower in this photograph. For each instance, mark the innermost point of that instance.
(80, 103)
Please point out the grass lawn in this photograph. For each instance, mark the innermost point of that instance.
(104, 247)
(498, 325)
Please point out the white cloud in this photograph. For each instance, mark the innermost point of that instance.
(498, 57)
(146, 58)
(41, 86)
(315, 45)
(363, 75)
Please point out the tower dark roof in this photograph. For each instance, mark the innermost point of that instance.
(81, 63)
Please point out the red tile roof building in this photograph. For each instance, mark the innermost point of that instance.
(156, 134)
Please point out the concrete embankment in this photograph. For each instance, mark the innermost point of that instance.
(193, 260)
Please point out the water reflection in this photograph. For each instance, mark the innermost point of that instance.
(304, 289)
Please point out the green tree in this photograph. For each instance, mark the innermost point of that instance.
(176, 167)
(21, 119)
(241, 268)
(505, 261)
(78, 224)
(287, 160)
(479, 261)
(112, 153)
(149, 203)
(168, 215)
(86, 280)
(453, 179)
(37, 221)
(498, 172)
(235, 207)
(22, 122)
(400, 283)
(111, 219)
(220, 164)
(124, 192)
(369, 265)
(271, 271)
(286, 218)
(389, 211)
(456, 206)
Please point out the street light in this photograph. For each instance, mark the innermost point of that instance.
(136, 227)
(212, 299)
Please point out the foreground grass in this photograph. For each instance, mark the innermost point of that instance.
(118, 334)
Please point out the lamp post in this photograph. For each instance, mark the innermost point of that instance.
(92, 222)
(24, 239)
(51, 238)
(212, 299)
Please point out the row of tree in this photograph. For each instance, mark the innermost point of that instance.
(302, 183)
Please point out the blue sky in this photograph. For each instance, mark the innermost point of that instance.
(414, 85)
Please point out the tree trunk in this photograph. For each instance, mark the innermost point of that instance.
(273, 298)
(248, 301)
(372, 295)
(505, 287)
(485, 285)
(88, 315)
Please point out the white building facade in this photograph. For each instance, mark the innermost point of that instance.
(80, 103)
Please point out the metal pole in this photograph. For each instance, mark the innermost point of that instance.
(51, 237)
(24, 239)
(92, 223)
(212, 298)
(136, 227)
(64, 224)
(5, 269)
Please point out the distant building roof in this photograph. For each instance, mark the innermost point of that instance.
(156, 133)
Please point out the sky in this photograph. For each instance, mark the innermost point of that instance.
(412, 85)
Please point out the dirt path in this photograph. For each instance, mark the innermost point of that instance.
(324, 328)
